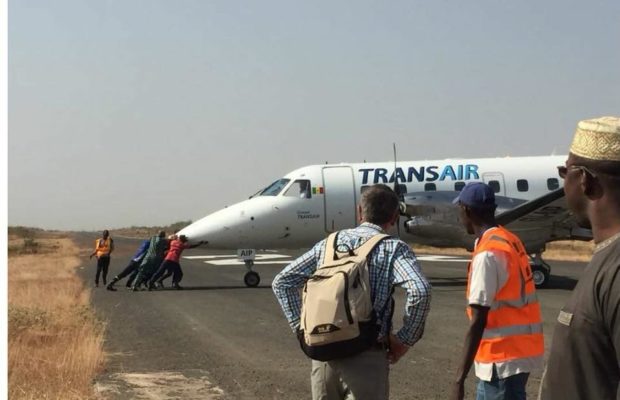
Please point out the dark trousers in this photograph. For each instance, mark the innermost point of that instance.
(103, 263)
(131, 268)
(166, 269)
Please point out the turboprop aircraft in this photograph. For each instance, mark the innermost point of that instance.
(308, 203)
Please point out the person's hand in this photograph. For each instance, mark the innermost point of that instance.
(458, 391)
(91, 257)
(397, 349)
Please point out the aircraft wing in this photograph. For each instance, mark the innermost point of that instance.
(542, 220)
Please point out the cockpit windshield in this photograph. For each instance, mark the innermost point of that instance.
(275, 188)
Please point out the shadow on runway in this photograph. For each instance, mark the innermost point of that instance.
(561, 282)
(555, 282)
(189, 288)
(447, 282)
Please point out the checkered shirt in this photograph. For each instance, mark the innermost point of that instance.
(391, 263)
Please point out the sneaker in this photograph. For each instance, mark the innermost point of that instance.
(111, 288)
(160, 285)
(177, 286)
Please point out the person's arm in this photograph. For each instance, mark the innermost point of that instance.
(111, 245)
(470, 348)
(610, 308)
(96, 248)
(408, 275)
(287, 283)
(191, 246)
(489, 272)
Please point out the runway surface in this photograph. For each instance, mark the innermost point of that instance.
(218, 339)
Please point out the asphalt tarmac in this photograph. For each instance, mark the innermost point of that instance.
(218, 339)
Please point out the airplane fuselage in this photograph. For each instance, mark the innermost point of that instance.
(310, 202)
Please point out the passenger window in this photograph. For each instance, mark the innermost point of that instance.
(300, 188)
(430, 187)
(458, 186)
(553, 184)
(495, 186)
(523, 185)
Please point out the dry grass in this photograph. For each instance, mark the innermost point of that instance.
(55, 343)
(568, 250)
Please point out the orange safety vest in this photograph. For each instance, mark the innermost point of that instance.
(514, 322)
(103, 247)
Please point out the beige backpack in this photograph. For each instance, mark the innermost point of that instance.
(337, 315)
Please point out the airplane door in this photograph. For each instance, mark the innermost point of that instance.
(339, 198)
(496, 181)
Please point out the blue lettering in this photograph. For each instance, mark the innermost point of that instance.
(419, 175)
(448, 171)
(400, 175)
(365, 172)
(429, 174)
(471, 172)
(380, 173)
(432, 171)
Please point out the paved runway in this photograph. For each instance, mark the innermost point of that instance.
(218, 339)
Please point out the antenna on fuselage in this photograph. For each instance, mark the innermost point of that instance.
(397, 191)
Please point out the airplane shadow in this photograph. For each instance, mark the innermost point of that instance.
(555, 282)
(561, 282)
(447, 282)
(190, 288)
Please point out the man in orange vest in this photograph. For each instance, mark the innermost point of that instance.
(103, 248)
(504, 340)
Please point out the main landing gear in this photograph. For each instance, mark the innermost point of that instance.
(541, 271)
(251, 278)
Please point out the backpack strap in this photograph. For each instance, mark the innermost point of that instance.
(330, 247)
(365, 249)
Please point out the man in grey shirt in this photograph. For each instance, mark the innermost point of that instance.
(585, 354)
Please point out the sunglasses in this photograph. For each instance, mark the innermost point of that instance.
(563, 170)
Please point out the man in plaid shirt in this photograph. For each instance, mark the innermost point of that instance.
(391, 263)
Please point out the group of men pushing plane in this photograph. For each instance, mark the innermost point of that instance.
(504, 341)
(157, 258)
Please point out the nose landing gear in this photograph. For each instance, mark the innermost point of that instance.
(251, 278)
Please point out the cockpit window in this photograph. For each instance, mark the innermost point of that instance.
(275, 188)
(300, 188)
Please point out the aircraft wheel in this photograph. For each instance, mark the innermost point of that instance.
(541, 274)
(251, 279)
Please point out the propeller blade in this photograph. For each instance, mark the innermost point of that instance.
(396, 190)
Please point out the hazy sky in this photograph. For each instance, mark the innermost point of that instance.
(149, 112)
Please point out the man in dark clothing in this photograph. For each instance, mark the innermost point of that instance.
(132, 267)
(152, 259)
(585, 352)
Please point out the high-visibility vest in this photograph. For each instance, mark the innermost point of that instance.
(514, 323)
(103, 247)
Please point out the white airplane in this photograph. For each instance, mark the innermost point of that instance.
(305, 205)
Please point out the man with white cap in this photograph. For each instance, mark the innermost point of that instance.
(585, 355)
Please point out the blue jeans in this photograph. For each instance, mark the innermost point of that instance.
(511, 388)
